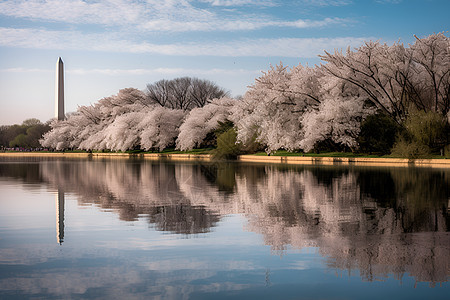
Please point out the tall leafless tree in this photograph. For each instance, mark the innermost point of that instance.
(184, 93)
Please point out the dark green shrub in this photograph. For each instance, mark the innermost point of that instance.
(425, 133)
(410, 148)
(227, 148)
(428, 128)
(378, 134)
(328, 145)
(211, 138)
(223, 127)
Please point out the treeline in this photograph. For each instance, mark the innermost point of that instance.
(24, 136)
(375, 99)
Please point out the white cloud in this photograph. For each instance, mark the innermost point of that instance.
(109, 12)
(153, 15)
(313, 23)
(25, 70)
(389, 1)
(126, 72)
(74, 11)
(240, 2)
(276, 3)
(326, 2)
(235, 25)
(162, 71)
(284, 47)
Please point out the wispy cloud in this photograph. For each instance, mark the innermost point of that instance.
(153, 15)
(240, 2)
(283, 47)
(313, 23)
(74, 11)
(126, 72)
(235, 25)
(278, 2)
(389, 1)
(326, 2)
(162, 71)
(25, 70)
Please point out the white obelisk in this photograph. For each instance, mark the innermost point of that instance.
(59, 90)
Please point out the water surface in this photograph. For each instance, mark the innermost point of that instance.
(79, 228)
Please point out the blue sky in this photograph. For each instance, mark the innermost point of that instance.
(109, 45)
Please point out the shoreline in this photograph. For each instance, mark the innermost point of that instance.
(290, 160)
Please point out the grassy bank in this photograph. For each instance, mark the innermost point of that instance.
(208, 151)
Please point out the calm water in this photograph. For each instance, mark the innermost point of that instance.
(131, 229)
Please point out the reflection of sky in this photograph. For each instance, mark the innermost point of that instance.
(105, 257)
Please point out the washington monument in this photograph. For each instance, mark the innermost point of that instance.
(59, 90)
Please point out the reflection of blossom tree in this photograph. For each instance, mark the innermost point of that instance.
(378, 221)
(181, 218)
(350, 228)
(421, 199)
(132, 189)
(196, 184)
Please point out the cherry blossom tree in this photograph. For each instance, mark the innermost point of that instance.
(271, 109)
(160, 127)
(203, 120)
(338, 119)
(395, 77)
(339, 115)
(368, 69)
(123, 133)
(59, 138)
(431, 83)
(119, 122)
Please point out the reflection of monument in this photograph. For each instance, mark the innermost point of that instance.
(60, 217)
(59, 90)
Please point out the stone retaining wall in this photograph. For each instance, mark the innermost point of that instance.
(440, 163)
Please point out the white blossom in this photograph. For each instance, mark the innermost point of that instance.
(160, 127)
(202, 121)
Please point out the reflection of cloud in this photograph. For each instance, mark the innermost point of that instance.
(12, 256)
(300, 265)
(169, 265)
(106, 278)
